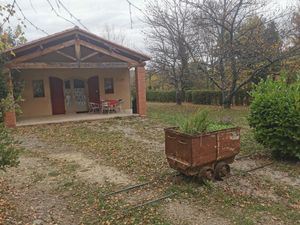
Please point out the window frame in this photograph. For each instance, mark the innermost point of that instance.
(34, 90)
(111, 89)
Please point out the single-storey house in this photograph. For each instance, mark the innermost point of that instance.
(65, 71)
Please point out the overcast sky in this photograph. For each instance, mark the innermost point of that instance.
(94, 14)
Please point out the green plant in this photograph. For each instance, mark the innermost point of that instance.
(275, 117)
(9, 152)
(197, 123)
(200, 123)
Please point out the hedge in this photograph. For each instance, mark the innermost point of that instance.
(275, 117)
(161, 96)
(205, 97)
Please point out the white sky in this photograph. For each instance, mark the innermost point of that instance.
(94, 14)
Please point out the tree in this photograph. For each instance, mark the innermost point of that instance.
(9, 37)
(170, 23)
(234, 45)
(110, 33)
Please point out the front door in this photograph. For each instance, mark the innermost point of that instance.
(79, 95)
(57, 96)
(93, 84)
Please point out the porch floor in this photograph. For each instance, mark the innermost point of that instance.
(69, 118)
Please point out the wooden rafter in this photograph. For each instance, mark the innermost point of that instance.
(61, 65)
(41, 52)
(106, 52)
(66, 55)
(89, 56)
(77, 50)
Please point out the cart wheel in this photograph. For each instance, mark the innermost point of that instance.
(222, 170)
(206, 173)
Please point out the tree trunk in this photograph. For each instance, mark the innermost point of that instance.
(178, 97)
(179, 93)
(227, 101)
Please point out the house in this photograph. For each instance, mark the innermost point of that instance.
(65, 71)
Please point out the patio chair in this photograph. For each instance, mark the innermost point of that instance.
(105, 107)
(94, 107)
(118, 105)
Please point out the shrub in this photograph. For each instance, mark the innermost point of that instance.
(203, 97)
(275, 117)
(161, 96)
(189, 96)
(9, 151)
(206, 97)
(242, 97)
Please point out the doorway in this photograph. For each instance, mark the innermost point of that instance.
(57, 96)
(93, 84)
(75, 96)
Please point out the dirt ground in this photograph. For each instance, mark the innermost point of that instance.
(66, 170)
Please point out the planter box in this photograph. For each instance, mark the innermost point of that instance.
(201, 154)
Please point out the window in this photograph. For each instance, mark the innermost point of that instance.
(109, 85)
(38, 88)
(67, 84)
(78, 83)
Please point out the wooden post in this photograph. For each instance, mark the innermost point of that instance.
(78, 50)
(10, 120)
(140, 90)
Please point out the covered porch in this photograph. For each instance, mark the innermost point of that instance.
(70, 118)
(63, 73)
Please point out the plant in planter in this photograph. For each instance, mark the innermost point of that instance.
(201, 147)
(200, 123)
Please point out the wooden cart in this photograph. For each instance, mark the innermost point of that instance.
(206, 155)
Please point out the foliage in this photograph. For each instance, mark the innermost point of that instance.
(200, 123)
(9, 38)
(275, 116)
(9, 152)
(161, 96)
(204, 97)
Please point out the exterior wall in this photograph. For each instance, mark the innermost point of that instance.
(41, 106)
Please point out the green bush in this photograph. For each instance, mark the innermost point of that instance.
(203, 97)
(189, 96)
(206, 97)
(9, 152)
(161, 96)
(275, 117)
(242, 97)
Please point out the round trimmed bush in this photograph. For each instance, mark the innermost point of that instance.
(275, 117)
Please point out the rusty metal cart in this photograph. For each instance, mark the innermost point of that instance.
(205, 155)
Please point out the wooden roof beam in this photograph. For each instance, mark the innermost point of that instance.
(106, 52)
(60, 65)
(66, 55)
(41, 52)
(89, 56)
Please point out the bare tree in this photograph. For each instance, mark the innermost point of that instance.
(111, 33)
(170, 23)
(234, 44)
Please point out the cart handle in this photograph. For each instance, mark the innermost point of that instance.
(182, 142)
(171, 137)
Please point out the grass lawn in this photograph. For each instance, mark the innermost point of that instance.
(73, 166)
